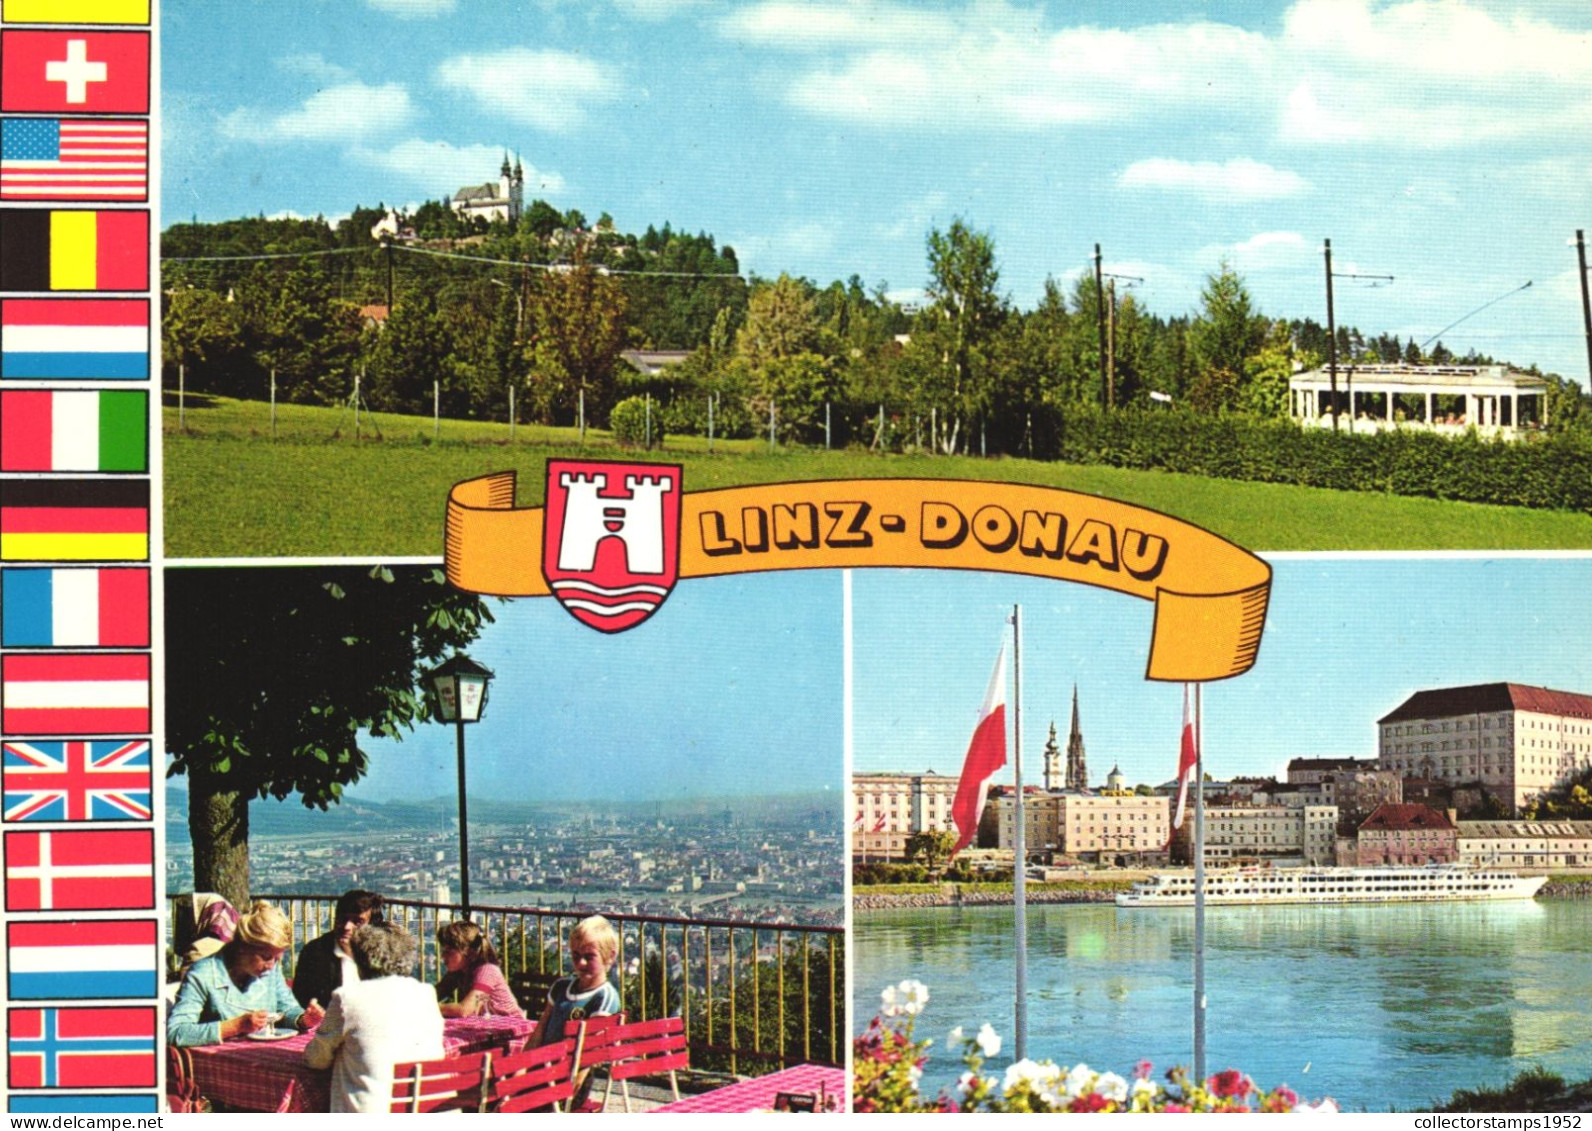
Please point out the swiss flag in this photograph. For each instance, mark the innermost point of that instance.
(986, 753)
(77, 72)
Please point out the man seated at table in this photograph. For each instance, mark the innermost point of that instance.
(383, 1018)
(326, 962)
(240, 989)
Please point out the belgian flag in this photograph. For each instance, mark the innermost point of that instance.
(74, 250)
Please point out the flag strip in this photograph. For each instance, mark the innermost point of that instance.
(104, 430)
(64, 338)
(82, 959)
(74, 608)
(75, 520)
(83, 1104)
(78, 781)
(67, 250)
(81, 1047)
(121, 12)
(74, 159)
(74, 72)
(90, 693)
(87, 870)
(1187, 762)
(986, 753)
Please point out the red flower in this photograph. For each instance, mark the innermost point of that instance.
(1094, 1101)
(1229, 1083)
(1143, 1069)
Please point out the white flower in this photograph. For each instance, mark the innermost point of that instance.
(989, 1041)
(1144, 1089)
(915, 1074)
(1112, 1087)
(964, 1083)
(887, 1002)
(1325, 1107)
(1080, 1081)
(914, 996)
(954, 1037)
(1020, 1072)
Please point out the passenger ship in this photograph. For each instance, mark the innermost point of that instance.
(1386, 884)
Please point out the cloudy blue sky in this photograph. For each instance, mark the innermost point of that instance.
(1348, 638)
(1445, 142)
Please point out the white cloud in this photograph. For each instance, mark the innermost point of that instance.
(914, 217)
(655, 11)
(347, 112)
(414, 9)
(813, 27)
(1241, 179)
(793, 249)
(444, 167)
(1262, 251)
(315, 66)
(547, 89)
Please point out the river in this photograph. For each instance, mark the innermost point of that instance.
(1377, 1007)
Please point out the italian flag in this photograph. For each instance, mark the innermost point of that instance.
(93, 430)
(986, 753)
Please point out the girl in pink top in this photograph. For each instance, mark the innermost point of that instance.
(473, 975)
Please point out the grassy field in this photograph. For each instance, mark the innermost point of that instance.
(317, 490)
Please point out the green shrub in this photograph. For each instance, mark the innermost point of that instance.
(636, 424)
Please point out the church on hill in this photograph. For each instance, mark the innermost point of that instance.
(501, 201)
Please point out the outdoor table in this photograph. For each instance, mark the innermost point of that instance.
(758, 1093)
(272, 1075)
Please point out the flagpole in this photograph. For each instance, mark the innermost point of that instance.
(1199, 896)
(1019, 862)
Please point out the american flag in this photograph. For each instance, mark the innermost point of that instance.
(73, 159)
(78, 781)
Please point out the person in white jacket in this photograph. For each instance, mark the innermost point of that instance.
(385, 1018)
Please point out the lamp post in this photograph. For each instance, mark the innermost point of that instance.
(458, 689)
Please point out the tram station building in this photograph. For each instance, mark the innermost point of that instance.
(1494, 399)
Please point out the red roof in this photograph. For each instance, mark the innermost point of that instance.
(1397, 818)
(1448, 701)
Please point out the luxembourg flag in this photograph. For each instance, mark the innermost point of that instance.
(47, 339)
(986, 753)
(81, 959)
(1187, 761)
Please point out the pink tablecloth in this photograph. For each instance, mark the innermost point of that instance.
(758, 1093)
(272, 1075)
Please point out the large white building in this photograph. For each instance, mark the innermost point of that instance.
(1103, 827)
(501, 201)
(1526, 844)
(1283, 834)
(889, 808)
(1515, 741)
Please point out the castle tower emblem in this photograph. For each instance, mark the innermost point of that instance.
(611, 543)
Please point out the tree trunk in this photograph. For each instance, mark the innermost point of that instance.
(218, 825)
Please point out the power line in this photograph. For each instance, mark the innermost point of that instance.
(256, 258)
(601, 270)
(1478, 310)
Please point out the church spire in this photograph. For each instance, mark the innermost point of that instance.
(1077, 766)
(1053, 778)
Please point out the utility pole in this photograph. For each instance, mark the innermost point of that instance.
(387, 247)
(1111, 344)
(1332, 339)
(1586, 302)
(1100, 320)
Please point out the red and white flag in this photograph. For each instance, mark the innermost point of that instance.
(986, 753)
(1187, 760)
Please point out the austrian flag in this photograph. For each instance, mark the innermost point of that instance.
(112, 870)
(81, 1047)
(986, 753)
(98, 693)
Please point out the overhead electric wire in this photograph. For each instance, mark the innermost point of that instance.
(1478, 310)
(557, 266)
(252, 258)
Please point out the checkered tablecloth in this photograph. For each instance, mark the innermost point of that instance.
(272, 1075)
(758, 1093)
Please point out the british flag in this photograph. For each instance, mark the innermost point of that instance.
(78, 781)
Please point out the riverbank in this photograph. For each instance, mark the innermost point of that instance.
(1104, 890)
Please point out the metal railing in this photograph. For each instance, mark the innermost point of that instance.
(753, 997)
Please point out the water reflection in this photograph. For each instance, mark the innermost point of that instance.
(1354, 1002)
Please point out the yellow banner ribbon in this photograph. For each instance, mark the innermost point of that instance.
(1210, 595)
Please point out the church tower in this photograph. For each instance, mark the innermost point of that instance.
(1053, 779)
(517, 192)
(1077, 768)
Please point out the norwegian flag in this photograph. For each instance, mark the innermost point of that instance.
(112, 870)
(78, 781)
(81, 1048)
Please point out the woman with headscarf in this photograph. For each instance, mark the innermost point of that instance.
(240, 989)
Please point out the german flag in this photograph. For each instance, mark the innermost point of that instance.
(75, 520)
(74, 251)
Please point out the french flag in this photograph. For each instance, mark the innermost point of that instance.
(82, 959)
(986, 753)
(74, 608)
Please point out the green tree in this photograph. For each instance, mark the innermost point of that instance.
(965, 312)
(931, 848)
(579, 319)
(1227, 332)
(409, 355)
(283, 671)
(201, 331)
(1267, 373)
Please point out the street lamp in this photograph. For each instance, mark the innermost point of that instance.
(458, 690)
